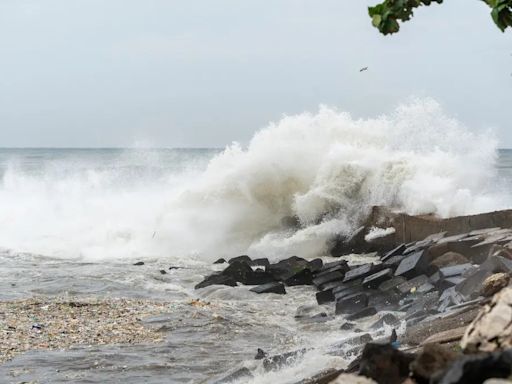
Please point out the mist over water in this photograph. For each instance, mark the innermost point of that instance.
(326, 169)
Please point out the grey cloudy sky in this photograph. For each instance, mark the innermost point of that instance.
(204, 73)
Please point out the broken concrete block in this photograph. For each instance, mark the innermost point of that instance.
(351, 304)
(323, 297)
(328, 277)
(456, 270)
(394, 252)
(413, 283)
(360, 271)
(374, 280)
(413, 265)
(366, 312)
(392, 283)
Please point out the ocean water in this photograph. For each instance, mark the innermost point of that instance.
(74, 221)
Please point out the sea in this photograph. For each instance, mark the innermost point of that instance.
(74, 221)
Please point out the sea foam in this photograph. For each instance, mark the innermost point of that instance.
(324, 169)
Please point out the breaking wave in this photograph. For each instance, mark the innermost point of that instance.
(322, 172)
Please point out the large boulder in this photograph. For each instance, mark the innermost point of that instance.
(475, 369)
(433, 358)
(494, 283)
(492, 328)
(384, 364)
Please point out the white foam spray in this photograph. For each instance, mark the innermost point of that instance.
(326, 169)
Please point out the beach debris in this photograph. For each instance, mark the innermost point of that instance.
(65, 322)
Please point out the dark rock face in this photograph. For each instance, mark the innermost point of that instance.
(475, 369)
(286, 268)
(260, 354)
(384, 364)
(273, 287)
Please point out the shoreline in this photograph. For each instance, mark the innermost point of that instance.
(57, 323)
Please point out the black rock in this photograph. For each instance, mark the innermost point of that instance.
(304, 277)
(240, 271)
(475, 369)
(216, 279)
(263, 262)
(316, 265)
(346, 291)
(394, 252)
(351, 304)
(355, 243)
(163, 272)
(393, 261)
(347, 326)
(392, 284)
(219, 261)
(261, 354)
(384, 301)
(373, 281)
(366, 312)
(286, 268)
(328, 278)
(384, 364)
(323, 297)
(138, 263)
(273, 287)
(332, 264)
(413, 265)
(360, 271)
(243, 258)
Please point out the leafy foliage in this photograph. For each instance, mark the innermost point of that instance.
(385, 16)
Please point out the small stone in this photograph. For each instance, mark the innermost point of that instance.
(138, 263)
(219, 261)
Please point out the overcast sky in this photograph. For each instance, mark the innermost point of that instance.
(202, 73)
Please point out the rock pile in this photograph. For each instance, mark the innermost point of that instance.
(434, 286)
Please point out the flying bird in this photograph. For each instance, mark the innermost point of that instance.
(363, 69)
